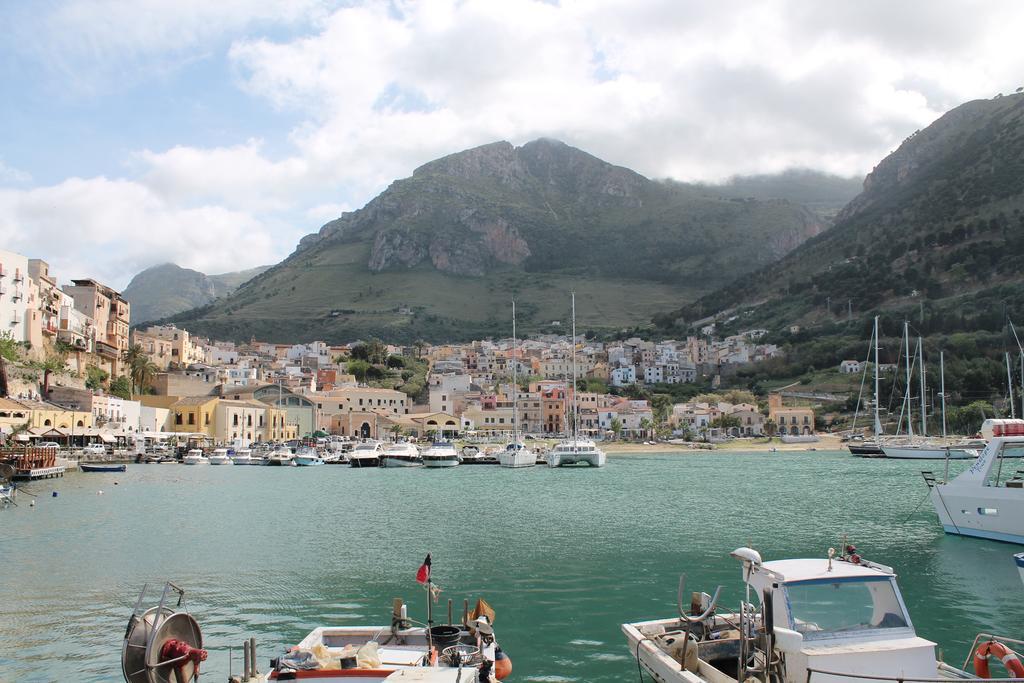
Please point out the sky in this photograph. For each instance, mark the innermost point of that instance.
(216, 134)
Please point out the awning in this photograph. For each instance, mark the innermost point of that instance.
(107, 437)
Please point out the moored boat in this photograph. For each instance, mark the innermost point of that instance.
(517, 455)
(102, 467)
(366, 454)
(220, 457)
(1019, 559)
(243, 456)
(839, 619)
(401, 454)
(280, 457)
(575, 451)
(441, 454)
(195, 457)
(924, 451)
(308, 457)
(985, 500)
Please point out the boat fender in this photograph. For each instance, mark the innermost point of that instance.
(502, 664)
(996, 649)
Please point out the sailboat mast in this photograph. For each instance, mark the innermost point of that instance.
(878, 422)
(924, 408)
(942, 389)
(575, 404)
(515, 385)
(906, 402)
(1009, 387)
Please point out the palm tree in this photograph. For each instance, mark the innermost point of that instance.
(141, 369)
(645, 426)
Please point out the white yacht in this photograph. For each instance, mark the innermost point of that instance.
(195, 457)
(366, 454)
(987, 499)
(441, 454)
(516, 454)
(837, 619)
(401, 454)
(242, 456)
(576, 450)
(926, 451)
(220, 457)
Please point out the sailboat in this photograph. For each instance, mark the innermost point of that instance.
(576, 449)
(870, 449)
(924, 449)
(516, 454)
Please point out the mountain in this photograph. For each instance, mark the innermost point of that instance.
(440, 254)
(823, 193)
(162, 291)
(938, 231)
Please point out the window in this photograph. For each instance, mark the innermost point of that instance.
(825, 607)
(191, 418)
(177, 418)
(234, 421)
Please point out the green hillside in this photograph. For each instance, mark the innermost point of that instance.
(439, 255)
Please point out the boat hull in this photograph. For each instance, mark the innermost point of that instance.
(304, 461)
(992, 512)
(364, 462)
(866, 450)
(1019, 559)
(102, 467)
(440, 462)
(909, 453)
(517, 460)
(401, 461)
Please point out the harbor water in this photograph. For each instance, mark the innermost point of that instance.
(564, 556)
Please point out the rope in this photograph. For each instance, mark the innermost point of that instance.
(918, 506)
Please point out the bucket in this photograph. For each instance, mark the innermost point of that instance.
(444, 636)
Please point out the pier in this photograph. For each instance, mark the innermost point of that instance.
(32, 463)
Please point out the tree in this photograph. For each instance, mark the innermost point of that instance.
(770, 427)
(725, 422)
(141, 370)
(661, 406)
(53, 362)
(9, 349)
(616, 425)
(358, 368)
(95, 377)
(396, 362)
(121, 387)
(645, 426)
(419, 345)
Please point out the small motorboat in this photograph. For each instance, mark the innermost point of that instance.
(281, 457)
(168, 460)
(336, 458)
(220, 457)
(243, 456)
(102, 467)
(1019, 559)
(834, 618)
(401, 454)
(308, 457)
(441, 454)
(195, 457)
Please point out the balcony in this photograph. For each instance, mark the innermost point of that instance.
(107, 351)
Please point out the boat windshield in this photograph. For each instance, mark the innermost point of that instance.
(828, 607)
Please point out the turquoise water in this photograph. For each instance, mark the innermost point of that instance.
(564, 556)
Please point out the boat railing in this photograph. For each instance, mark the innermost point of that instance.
(907, 679)
(986, 637)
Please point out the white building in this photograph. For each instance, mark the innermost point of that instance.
(851, 367)
(14, 298)
(620, 377)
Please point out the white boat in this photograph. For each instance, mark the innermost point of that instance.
(441, 454)
(195, 457)
(366, 454)
(308, 457)
(281, 457)
(401, 454)
(7, 494)
(242, 457)
(841, 620)
(517, 455)
(575, 451)
(220, 457)
(987, 499)
(1019, 559)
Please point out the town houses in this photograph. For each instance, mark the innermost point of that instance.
(240, 393)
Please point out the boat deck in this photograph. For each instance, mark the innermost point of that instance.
(40, 473)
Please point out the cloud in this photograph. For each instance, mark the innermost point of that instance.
(12, 176)
(110, 229)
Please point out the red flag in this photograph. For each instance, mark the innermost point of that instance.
(423, 573)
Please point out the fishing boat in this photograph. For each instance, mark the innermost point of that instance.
(195, 457)
(401, 454)
(516, 454)
(441, 454)
(102, 467)
(577, 449)
(985, 500)
(220, 457)
(243, 456)
(308, 457)
(837, 619)
(165, 643)
(366, 454)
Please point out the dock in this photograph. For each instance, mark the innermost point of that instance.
(39, 473)
(30, 463)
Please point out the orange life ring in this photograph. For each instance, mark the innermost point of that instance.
(996, 649)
